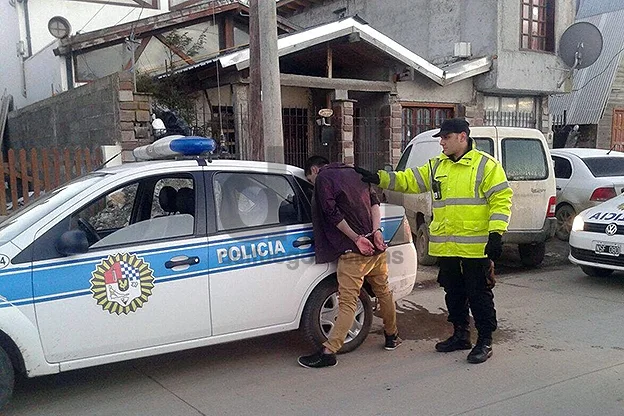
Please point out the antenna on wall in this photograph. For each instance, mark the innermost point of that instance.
(579, 47)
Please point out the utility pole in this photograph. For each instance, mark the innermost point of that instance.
(265, 101)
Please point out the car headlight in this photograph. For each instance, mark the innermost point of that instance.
(578, 223)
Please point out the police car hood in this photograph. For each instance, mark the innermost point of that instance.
(608, 211)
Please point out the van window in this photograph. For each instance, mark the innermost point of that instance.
(485, 144)
(524, 159)
(423, 151)
(403, 161)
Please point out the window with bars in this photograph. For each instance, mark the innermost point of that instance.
(510, 111)
(419, 119)
(538, 25)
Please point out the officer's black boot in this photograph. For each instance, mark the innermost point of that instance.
(460, 340)
(482, 350)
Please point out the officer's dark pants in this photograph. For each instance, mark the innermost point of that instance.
(467, 285)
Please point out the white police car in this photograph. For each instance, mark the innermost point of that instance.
(597, 238)
(153, 257)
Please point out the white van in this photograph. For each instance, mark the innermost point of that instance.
(526, 159)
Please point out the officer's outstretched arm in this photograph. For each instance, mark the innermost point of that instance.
(408, 181)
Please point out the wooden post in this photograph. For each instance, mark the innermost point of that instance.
(264, 15)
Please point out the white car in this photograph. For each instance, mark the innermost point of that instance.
(585, 178)
(597, 238)
(153, 257)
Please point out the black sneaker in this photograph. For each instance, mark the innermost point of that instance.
(392, 341)
(317, 360)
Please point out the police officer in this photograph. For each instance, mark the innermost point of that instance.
(471, 209)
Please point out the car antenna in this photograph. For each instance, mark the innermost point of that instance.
(612, 147)
(105, 163)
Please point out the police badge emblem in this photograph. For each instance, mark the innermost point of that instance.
(620, 207)
(122, 283)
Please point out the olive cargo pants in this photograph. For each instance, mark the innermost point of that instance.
(352, 269)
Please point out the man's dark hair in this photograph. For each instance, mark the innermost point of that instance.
(317, 161)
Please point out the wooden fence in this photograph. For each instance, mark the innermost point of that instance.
(29, 173)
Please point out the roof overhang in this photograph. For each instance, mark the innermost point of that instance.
(299, 41)
(156, 24)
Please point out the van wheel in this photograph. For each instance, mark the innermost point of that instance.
(7, 378)
(596, 271)
(532, 254)
(321, 312)
(421, 241)
(565, 216)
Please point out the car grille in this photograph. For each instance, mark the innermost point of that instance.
(594, 227)
(588, 255)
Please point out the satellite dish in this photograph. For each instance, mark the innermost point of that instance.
(580, 45)
(59, 27)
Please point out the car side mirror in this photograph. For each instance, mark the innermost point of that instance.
(72, 242)
(388, 168)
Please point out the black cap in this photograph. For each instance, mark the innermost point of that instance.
(453, 125)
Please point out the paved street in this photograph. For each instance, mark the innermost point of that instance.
(559, 351)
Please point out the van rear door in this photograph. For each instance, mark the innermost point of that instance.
(527, 162)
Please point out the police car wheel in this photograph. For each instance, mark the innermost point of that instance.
(596, 271)
(321, 311)
(7, 378)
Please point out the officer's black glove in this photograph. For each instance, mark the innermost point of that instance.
(494, 246)
(368, 176)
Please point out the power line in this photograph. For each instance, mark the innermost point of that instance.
(93, 17)
(127, 14)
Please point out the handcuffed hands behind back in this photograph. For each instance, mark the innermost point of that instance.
(365, 246)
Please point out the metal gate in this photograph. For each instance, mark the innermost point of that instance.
(296, 142)
(368, 138)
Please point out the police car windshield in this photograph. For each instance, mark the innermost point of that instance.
(25, 217)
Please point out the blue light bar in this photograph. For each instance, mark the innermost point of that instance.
(172, 146)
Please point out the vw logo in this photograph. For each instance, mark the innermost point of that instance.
(611, 229)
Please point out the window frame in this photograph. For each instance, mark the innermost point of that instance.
(557, 161)
(546, 38)
(411, 130)
(298, 195)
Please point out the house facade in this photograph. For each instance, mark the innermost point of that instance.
(33, 29)
(519, 35)
(596, 100)
(493, 62)
(388, 72)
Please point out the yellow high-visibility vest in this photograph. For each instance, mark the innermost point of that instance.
(475, 200)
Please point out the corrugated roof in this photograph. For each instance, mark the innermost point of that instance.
(589, 8)
(592, 85)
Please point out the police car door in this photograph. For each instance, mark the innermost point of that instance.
(143, 280)
(261, 256)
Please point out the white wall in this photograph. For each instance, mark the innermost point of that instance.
(82, 16)
(10, 64)
(44, 70)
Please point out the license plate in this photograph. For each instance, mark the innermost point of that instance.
(608, 249)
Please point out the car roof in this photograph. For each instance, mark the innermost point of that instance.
(586, 152)
(477, 131)
(211, 164)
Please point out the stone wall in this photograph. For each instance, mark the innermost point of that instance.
(104, 112)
